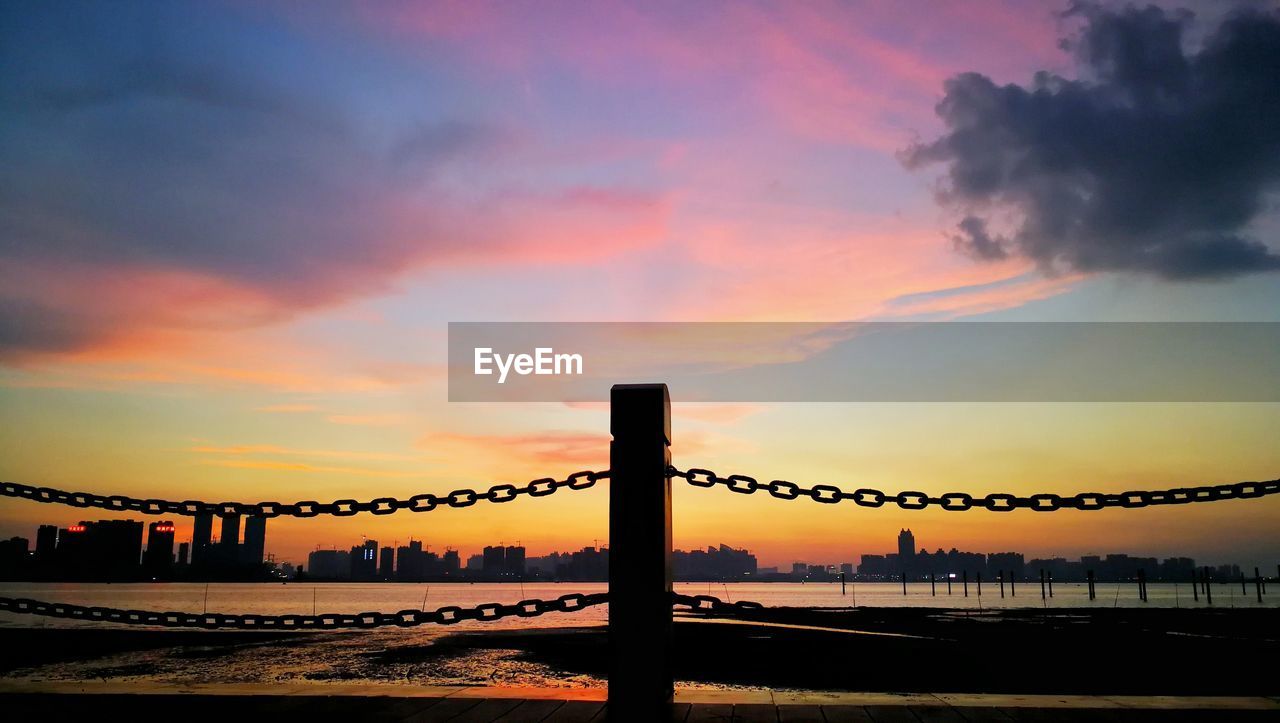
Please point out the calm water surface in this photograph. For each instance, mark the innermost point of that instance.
(307, 598)
(425, 655)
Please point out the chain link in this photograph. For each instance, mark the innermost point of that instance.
(448, 615)
(488, 612)
(995, 502)
(497, 494)
(710, 604)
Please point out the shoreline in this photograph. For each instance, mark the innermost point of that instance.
(1110, 652)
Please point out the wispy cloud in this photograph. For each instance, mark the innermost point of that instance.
(555, 447)
(276, 450)
(368, 420)
(288, 408)
(278, 466)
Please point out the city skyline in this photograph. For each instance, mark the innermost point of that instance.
(415, 561)
(241, 288)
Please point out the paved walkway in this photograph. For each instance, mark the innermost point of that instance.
(107, 701)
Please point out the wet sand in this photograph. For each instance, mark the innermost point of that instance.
(1134, 652)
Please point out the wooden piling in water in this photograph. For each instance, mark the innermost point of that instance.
(1013, 590)
(949, 584)
(904, 584)
(1195, 587)
(1000, 574)
(1042, 595)
(933, 585)
(1208, 587)
(965, 574)
(1257, 582)
(979, 574)
(1092, 592)
(1050, 576)
(842, 583)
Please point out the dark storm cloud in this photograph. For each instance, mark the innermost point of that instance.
(1156, 160)
(165, 138)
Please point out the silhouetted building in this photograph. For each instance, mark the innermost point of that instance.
(411, 562)
(184, 554)
(587, 564)
(495, 560)
(451, 562)
(713, 563)
(158, 558)
(1177, 569)
(1227, 573)
(513, 561)
(906, 550)
(1009, 563)
(387, 563)
(229, 543)
(102, 550)
(364, 561)
(46, 543)
(329, 564)
(15, 557)
(255, 541)
(201, 539)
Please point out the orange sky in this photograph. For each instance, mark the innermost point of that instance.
(233, 269)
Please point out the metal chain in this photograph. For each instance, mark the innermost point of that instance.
(329, 621)
(339, 508)
(450, 615)
(710, 604)
(996, 502)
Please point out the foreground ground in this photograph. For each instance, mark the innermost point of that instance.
(1094, 652)
(459, 705)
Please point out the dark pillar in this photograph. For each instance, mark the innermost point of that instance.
(640, 678)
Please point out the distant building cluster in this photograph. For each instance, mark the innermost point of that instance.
(368, 562)
(921, 564)
(497, 563)
(714, 563)
(113, 550)
(413, 563)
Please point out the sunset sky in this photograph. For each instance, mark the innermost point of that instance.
(232, 235)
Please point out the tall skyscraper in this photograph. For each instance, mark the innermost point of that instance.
(201, 539)
(184, 552)
(255, 540)
(410, 561)
(229, 544)
(387, 564)
(906, 546)
(514, 562)
(495, 560)
(158, 557)
(46, 542)
(364, 561)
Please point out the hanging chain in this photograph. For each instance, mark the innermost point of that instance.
(339, 508)
(995, 502)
